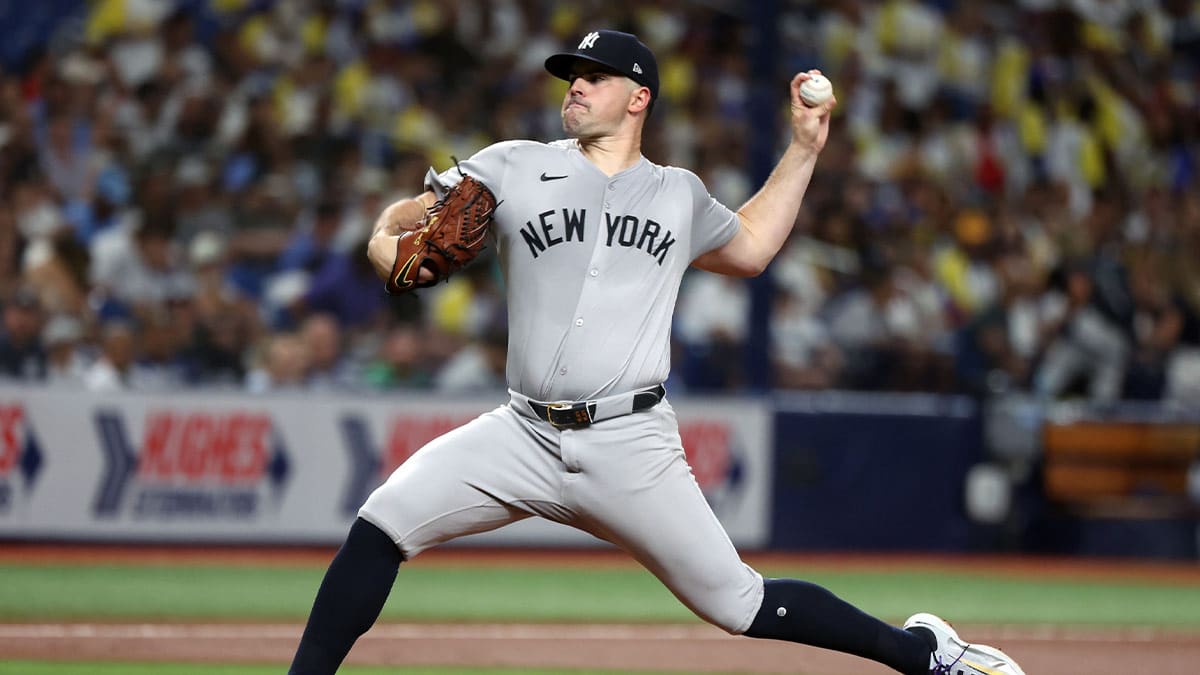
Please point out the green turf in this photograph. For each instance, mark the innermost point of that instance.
(445, 593)
(95, 668)
(482, 593)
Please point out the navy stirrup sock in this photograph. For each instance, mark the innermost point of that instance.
(351, 595)
(799, 611)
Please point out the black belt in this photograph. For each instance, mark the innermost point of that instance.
(583, 414)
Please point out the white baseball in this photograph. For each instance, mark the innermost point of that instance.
(816, 90)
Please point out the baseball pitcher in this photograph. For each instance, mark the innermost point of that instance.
(594, 240)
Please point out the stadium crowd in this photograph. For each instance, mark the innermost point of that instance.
(1009, 199)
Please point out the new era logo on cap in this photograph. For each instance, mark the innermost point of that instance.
(622, 52)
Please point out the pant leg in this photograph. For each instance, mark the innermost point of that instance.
(635, 489)
(495, 470)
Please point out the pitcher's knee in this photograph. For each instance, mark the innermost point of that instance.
(732, 607)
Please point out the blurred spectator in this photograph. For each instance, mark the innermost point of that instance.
(310, 249)
(312, 245)
(1090, 350)
(66, 363)
(964, 265)
(58, 269)
(464, 308)
(711, 326)
(67, 157)
(223, 323)
(345, 286)
(139, 270)
(118, 348)
(22, 357)
(158, 365)
(200, 207)
(329, 366)
(919, 320)
(1157, 327)
(999, 346)
(803, 354)
(807, 270)
(282, 365)
(107, 207)
(38, 215)
(858, 323)
(477, 368)
(401, 362)
(263, 213)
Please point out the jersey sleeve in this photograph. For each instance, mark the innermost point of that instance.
(488, 166)
(713, 223)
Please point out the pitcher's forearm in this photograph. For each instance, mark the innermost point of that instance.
(397, 218)
(381, 251)
(400, 216)
(770, 214)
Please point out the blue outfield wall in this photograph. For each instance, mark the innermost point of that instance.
(888, 472)
(872, 472)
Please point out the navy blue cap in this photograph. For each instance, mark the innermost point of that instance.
(622, 52)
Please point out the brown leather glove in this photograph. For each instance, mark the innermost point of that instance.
(451, 235)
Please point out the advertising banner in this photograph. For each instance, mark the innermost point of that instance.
(234, 468)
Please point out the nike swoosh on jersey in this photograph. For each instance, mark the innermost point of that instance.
(548, 178)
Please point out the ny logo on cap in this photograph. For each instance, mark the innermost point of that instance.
(589, 40)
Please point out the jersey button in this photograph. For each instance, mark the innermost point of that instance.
(612, 187)
(578, 322)
(562, 371)
(594, 272)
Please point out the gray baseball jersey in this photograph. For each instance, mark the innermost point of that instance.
(593, 265)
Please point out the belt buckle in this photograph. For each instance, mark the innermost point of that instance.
(582, 419)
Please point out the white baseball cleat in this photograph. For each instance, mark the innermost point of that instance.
(953, 656)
